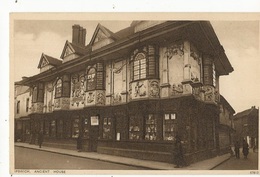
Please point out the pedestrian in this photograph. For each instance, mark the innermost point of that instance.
(178, 153)
(231, 151)
(245, 149)
(79, 143)
(237, 146)
(40, 139)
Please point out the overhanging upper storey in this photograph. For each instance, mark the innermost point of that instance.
(106, 45)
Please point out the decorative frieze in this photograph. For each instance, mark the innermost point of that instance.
(154, 89)
(100, 97)
(117, 98)
(177, 89)
(37, 108)
(140, 89)
(90, 97)
(61, 103)
(174, 49)
(78, 87)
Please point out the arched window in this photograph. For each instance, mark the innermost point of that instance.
(139, 67)
(58, 88)
(91, 79)
(145, 63)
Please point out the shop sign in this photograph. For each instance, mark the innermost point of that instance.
(94, 120)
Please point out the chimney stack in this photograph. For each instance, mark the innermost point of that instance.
(78, 35)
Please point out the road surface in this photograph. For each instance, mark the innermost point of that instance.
(26, 158)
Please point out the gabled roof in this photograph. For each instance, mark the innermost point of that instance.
(244, 113)
(125, 32)
(224, 101)
(105, 31)
(49, 61)
(75, 49)
(21, 89)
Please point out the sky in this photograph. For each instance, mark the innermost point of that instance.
(240, 40)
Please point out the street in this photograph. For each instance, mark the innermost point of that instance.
(251, 163)
(34, 159)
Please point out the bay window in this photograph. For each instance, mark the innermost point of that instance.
(144, 63)
(38, 93)
(209, 71)
(62, 88)
(95, 77)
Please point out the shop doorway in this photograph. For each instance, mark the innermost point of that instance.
(94, 133)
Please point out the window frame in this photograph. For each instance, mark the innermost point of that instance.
(151, 122)
(107, 125)
(151, 61)
(18, 104)
(140, 69)
(27, 104)
(58, 87)
(171, 126)
(99, 77)
(135, 128)
(94, 82)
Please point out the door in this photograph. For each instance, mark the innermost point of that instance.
(94, 132)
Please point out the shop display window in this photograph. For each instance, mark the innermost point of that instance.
(107, 128)
(75, 128)
(169, 127)
(151, 127)
(135, 131)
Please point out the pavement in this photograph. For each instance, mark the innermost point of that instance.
(208, 164)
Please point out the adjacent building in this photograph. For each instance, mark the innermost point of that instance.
(131, 92)
(246, 126)
(22, 106)
(226, 125)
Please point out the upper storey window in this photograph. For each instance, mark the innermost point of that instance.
(91, 79)
(139, 66)
(209, 71)
(144, 63)
(214, 75)
(62, 88)
(38, 93)
(58, 90)
(95, 77)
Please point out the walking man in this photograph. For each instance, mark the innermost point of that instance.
(179, 159)
(237, 146)
(245, 149)
(40, 139)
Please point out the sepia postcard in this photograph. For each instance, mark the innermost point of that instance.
(134, 93)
